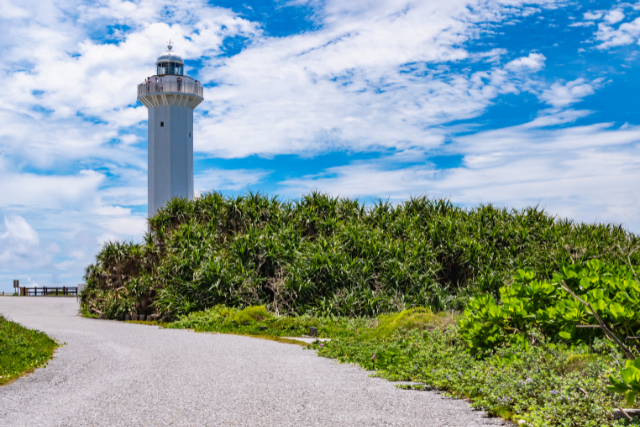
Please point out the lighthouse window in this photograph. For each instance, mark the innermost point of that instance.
(170, 68)
(189, 134)
(161, 124)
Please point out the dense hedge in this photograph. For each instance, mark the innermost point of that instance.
(331, 256)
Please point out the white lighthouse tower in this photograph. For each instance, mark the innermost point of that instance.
(170, 98)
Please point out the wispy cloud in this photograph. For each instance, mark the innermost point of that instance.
(370, 77)
(564, 94)
(212, 180)
(581, 173)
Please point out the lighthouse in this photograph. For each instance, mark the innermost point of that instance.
(170, 98)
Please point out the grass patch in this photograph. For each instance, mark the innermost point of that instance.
(22, 350)
(257, 321)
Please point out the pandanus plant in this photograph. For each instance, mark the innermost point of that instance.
(335, 256)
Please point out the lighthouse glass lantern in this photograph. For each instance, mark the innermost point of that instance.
(170, 98)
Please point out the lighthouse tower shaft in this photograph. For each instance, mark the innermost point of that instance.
(170, 99)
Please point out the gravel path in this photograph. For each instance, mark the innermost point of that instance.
(116, 374)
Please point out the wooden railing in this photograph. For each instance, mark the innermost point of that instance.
(45, 291)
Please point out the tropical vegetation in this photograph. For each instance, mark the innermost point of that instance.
(330, 256)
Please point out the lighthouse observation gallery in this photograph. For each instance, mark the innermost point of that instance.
(170, 98)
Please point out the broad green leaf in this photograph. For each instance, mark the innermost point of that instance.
(565, 335)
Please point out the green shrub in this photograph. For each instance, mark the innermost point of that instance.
(629, 385)
(334, 257)
(251, 315)
(531, 308)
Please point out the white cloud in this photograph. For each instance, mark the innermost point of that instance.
(63, 82)
(371, 77)
(592, 16)
(531, 63)
(583, 24)
(614, 16)
(564, 94)
(584, 173)
(556, 116)
(212, 180)
(20, 245)
(49, 192)
(627, 33)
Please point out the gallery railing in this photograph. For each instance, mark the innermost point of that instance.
(176, 86)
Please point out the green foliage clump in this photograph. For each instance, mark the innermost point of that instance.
(536, 384)
(531, 308)
(629, 385)
(333, 256)
(22, 350)
(120, 281)
(251, 315)
(257, 321)
(421, 318)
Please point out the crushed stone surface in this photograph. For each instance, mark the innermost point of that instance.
(113, 373)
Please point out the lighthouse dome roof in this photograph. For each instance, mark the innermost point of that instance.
(169, 56)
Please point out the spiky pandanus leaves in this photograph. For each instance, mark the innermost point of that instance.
(120, 280)
(335, 255)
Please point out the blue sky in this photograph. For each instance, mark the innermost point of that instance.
(505, 102)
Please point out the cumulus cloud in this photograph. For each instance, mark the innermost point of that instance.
(64, 83)
(592, 16)
(564, 94)
(614, 16)
(531, 63)
(627, 33)
(20, 245)
(50, 192)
